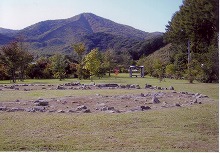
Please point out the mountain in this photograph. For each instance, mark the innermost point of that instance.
(52, 36)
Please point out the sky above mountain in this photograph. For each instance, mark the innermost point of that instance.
(146, 15)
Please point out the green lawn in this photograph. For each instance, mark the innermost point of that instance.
(177, 129)
(188, 129)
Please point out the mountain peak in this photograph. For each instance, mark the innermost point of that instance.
(93, 30)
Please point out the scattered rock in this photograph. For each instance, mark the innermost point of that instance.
(71, 111)
(137, 86)
(41, 102)
(195, 101)
(3, 108)
(178, 105)
(60, 87)
(143, 108)
(155, 100)
(79, 108)
(15, 109)
(86, 111)
(39, 109)
(171, 88)
(142, 95)
(105, 108)
(60, 111)
(148, 86)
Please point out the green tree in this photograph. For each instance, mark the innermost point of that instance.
(170, 70)
(93, 62)
(80, 50)
(158, 69)
(12, 57)
(109, 60)
(58, 64)
(197, 21)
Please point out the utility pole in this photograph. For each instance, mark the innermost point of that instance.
(189, 55)
(189, 66)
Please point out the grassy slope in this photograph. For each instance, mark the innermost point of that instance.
(177, 129)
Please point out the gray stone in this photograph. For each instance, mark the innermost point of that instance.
(122, 86)
(195, 101)
(41, 102)
(106, 108)
(142, 95)
(171, 88)
(39, 109)
(3, 108)
(60, 111)
(148, 86)
(86, 111)
(155, 100)
(79, 108)
(71, 111)
(15, 109)
(143, 108)
(137, 86)
(178, 105)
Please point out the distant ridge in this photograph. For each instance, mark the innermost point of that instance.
(47, 37)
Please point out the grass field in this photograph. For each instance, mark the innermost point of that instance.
(176, 129)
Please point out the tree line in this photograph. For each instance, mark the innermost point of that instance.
(17, 63)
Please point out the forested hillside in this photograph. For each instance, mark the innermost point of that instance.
(193, 54)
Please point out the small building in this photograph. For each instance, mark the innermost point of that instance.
(136, 69)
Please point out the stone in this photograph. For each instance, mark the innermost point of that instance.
(81, 107)
(42, 103)
(159, 88)
(148, 86)
(143, 108)
(122, 86)
(106, 108)
(195, 101)
(71, 111)
(3, 108)
(39, 108)
(60, 111)
(171, 88)
(86, 111)
(15, 109)
(155, 100)
(60, 87)
(137, 86)
(178, 105)
(142, 95)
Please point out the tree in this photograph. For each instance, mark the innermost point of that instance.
(15, 59)
(58, 64)
(109, 60)
(158, 69)
(93, 62)
(197, 21)
(79, 49)
(170, 70)
(40, 69)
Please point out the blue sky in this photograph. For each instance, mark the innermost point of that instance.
(146, 15)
